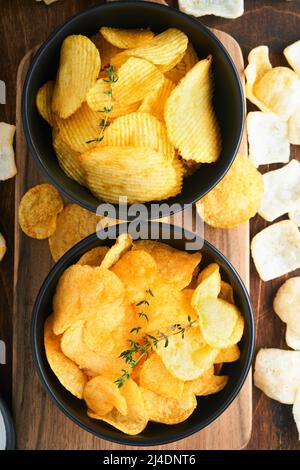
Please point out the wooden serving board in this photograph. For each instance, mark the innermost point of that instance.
(39, 423)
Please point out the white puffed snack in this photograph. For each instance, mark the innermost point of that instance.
(224, 8)
(7, 155)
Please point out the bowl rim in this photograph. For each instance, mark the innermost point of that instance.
(70, 194)
(36, 353)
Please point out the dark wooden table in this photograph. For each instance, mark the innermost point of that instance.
(24, 24)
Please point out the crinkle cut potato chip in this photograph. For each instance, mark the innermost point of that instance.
(93, 257)
(154, 103)
(276, 250)
(277, 374)
(281, 191)
(68, 159)
(101, 396)
(44, 100)
(136, 419)
(168, 261)
(155, 376)
(168, 410)
(78, 70)
(2, 246)
(83, 292)
(122, 245)
(236, 198)
(139, 130)
(126, 38)
(258, 65)
(226, 9)
(187, 62)
(106, 50)
(73, 224)
(287, 303)
(292, 55)
(292, 339)
(192, 98)
(140, 173)
(67, 372)
(38, 211)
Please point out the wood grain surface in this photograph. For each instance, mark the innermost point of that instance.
(24, 24)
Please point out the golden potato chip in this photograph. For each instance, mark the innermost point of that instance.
(2, 246)
(101, 396)
(230, 354)
(209, 283)
(168, 410)
(38, 210)
(258, 65)
(217, 320)
(139, 130)
(141, 174)
(238, 330)
(83, 293)
(136, 419)
(187, 62)
(93, 257)
(106, 50)
(155, 376)
(192, 98)
(137, 270)
(174, 266)
(67, 372)
(78, 70)
(68, 159)
(207, 383)
(154, 103)
(123, 244)
(236, 198)
(226, 292)
(126, 38)
(44, 100)
(73, 224)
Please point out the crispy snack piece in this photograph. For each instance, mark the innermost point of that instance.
(209, 283)
(155, 102)
(296, 411)
(101, 396)
(78, 70)
(44, 100)
(187, 62)
(226, 9)
(106, 50)
(2, 247)
(207, 384)
(168, 410)
(192, 98)
(38, 211)
(226, 292)
(126, 38)
(294, 127)
(258, 65)
(93, 257)
(114, 254)
(292, 55)
(292, 339)
(287, 303)
(68, 159)
(230, 354)
(7, 155)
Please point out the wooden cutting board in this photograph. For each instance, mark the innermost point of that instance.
(39, 423)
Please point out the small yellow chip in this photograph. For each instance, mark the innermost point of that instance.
(154, 103)
(126, 38)
(209, 283)
(38, 211)
(101, 396)
(168, 410)
(78, 70)
(122, 245)
(43, 102)
(155, 377)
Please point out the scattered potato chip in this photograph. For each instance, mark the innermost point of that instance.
(168, 410)
(106, 50)
(68, 159)
(122, 245)
(73, 224)
(294, 127)
(7, 155)
(268, 138)
(294, 215)
(236, 198)
(174, 266)
(93, 257)
(82, 293)
(38, 211)
(292, 339)
(277, 374)
(44, 100)
(207, 384)
(209, 283)
(230, 354)
(139, 130)
(155, 376)
(258, 65)
(154, 103)
(287, 303)
(192, 98)
(226, 292)
(136, 419)
(126, 38)
(292, 55)
(224, 8)
(78, 70)
(281, 191)
(2, 247)
(276, 250)
(67, 372)
(141, 174)
(101, 396)
(296, 411)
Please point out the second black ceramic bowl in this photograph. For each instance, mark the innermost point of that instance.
(209, 407)
(228, 97)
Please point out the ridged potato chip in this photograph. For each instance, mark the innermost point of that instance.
(154, 103)
(226, 292)
(68, 159)
(122, 245)
(141, 174)
(79, 67)
(174, 266)
(106, 50)
(136, 419)
(101, 396)
(292, 55)
(192, 98)
(187, 62)
(139, 130)
(230, 354)
(73, 224)
(258, 65)
(38, 211)
(93, 257)
(168, 410)
(209, 283)
(44, 100)
(82, 293)
(67, 372)
(155, 376)
(126, 38)
(236, 198)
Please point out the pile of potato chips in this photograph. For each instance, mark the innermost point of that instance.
(126, 108)
(113, 298)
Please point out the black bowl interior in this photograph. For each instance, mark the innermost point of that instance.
(209, 408)
(228, 97)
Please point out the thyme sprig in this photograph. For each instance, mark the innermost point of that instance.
(145, 302)
(139, 349)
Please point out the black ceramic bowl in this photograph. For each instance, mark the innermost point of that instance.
(228, 98)
(210, 407)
